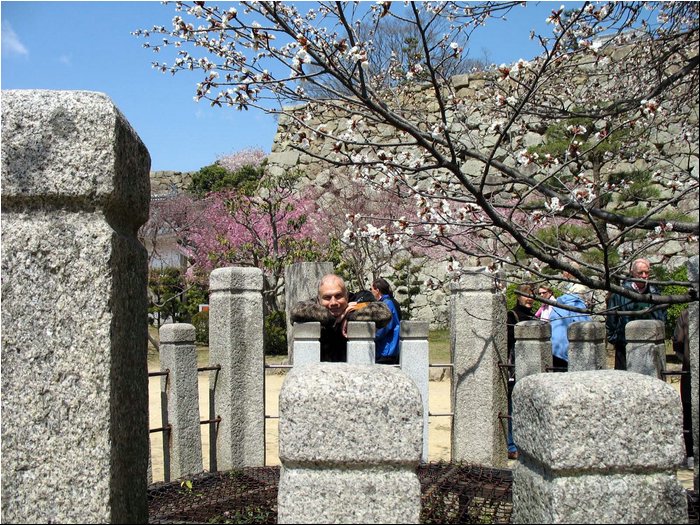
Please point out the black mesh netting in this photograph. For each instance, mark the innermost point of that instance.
(451, 493)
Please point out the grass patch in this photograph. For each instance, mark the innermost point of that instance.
(439, 343)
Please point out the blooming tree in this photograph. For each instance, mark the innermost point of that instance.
(274, 226)
(532, 165)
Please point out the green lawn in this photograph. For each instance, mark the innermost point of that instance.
(439, 341)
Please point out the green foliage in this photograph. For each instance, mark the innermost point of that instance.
(407, 283)
(172, 297)
(275, 338)
(439, 343)
(216, 178)
(673, 215)
(511, 296)
(166, 288)
(661, 273)
(200, 321)
(638, 186)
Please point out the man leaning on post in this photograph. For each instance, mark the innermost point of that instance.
(333, 309)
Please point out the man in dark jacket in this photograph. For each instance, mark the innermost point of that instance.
(521, 312)
(333, 309)
(615, 324)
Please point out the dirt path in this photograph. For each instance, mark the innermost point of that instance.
(438, 430)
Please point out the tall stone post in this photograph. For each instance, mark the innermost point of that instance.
(179, 355)
(236, 343)
(597, 447)
(301, 284)
(75, 190)
(646, 348)
(587, 346)
(694, 340)
(350, 442)
(414, 355)
(533, 348)
(307, 343)
(361, 342)
(478, 331)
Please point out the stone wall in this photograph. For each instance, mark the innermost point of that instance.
(476, 130)
(168, 182)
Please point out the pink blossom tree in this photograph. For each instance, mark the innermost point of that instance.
(469, 155)
(269, 228)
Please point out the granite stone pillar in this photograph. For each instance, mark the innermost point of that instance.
(236, 344)
(361, 342)
(307, 343)
(478, 332)
(301, 284)
(178, 355)
(414, 356)
(587, 346)
(597, 447)
(646, 348)
(533, 348)
(75, 190)
(350, 442)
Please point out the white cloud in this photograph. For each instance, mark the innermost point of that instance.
(66, 59)
(11, 44)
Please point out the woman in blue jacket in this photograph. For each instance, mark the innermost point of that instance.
(386, 340)
(560, 319)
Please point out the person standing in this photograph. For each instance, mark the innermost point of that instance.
(560, 319)
(386, 339)
(521, 312)
(545, 310)
(615, 323)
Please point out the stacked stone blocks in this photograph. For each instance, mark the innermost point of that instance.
(350, 441)
(597, 447)
(75, 190)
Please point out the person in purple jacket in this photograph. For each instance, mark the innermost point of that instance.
(386, 339)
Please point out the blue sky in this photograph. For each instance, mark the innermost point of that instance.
(89, 46)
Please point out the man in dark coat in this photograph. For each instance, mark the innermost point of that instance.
(333, 310)
(615, 324)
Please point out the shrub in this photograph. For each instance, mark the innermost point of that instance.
(674, 310)
(200, 321)
(275, 339)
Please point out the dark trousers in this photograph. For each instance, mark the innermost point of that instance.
(509, 435)
(558, 362)
(687, 413)
(620, 356)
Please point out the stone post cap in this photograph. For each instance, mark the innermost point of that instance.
(236, 279)
(589, 331)
(414, 330)
(607, 420)
(75, 147)
(645, 330)
(177, 333)
(477, 279)
(361, 329)
(351, 415)
(538, 330)
(311, 330)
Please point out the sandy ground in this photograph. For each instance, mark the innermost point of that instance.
(438, 437)
(438, 430)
